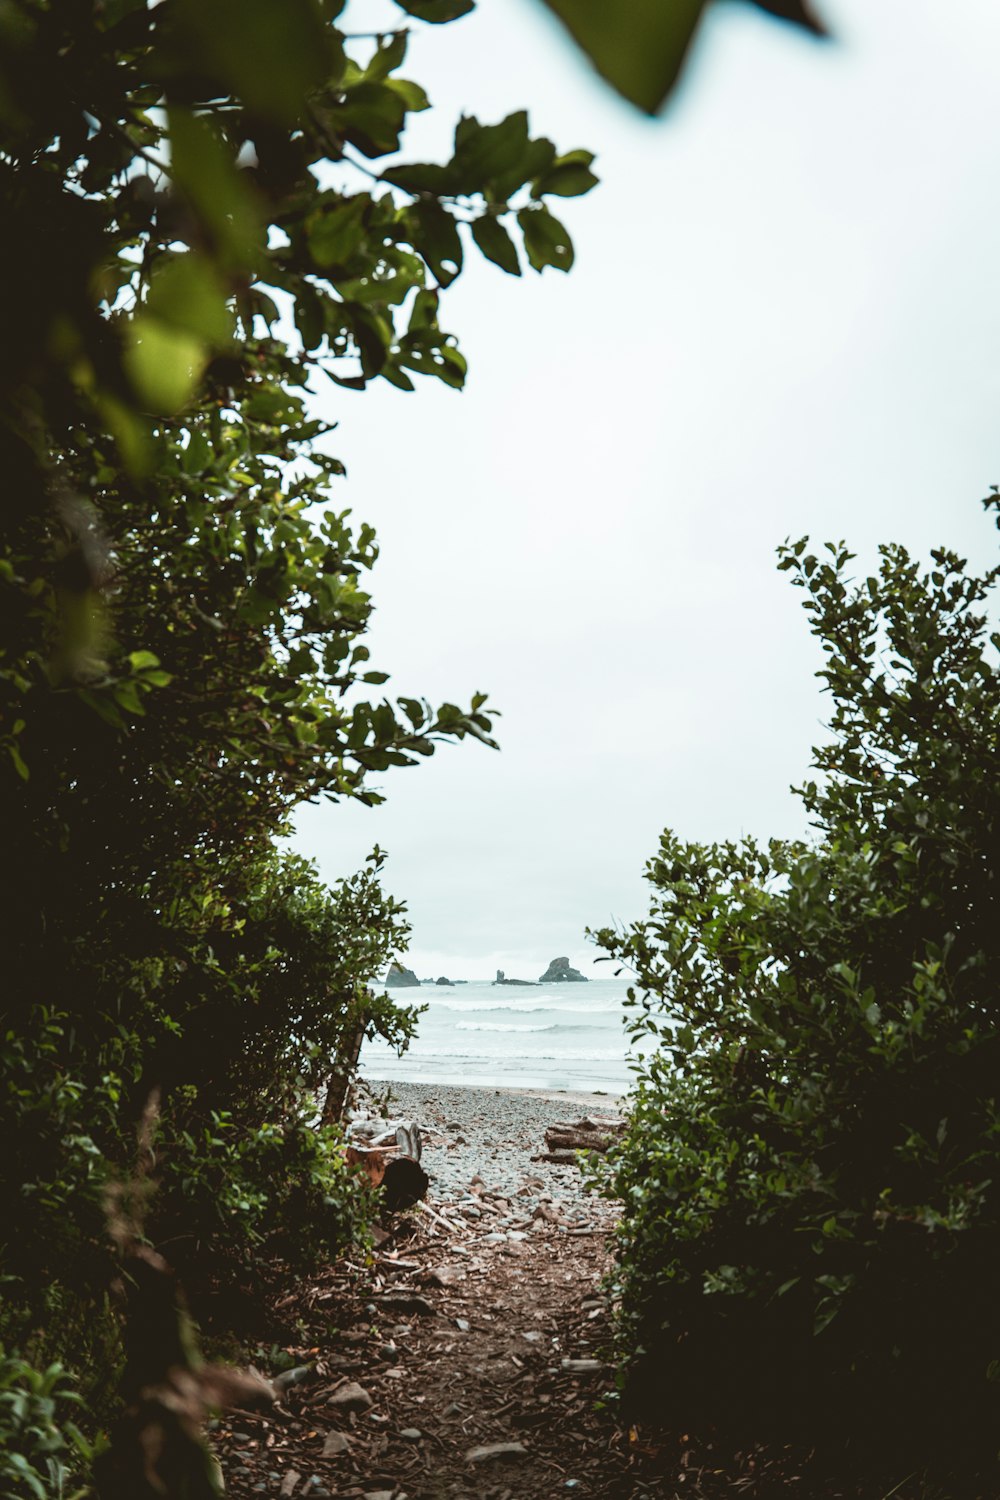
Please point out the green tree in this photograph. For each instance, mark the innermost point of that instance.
(812, 1171)
(209, 214)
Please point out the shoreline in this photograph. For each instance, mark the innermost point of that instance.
(588, 1099)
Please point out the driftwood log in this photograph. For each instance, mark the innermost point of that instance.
(395, 1166)
(583, 1135)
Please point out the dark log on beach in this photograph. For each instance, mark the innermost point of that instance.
(405, 1183)
(402, 1179)
(558, 1158)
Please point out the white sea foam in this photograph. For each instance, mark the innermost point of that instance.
(554, 1036)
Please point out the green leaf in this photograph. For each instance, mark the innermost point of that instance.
(420, 177)
(413, 96)
(437, 240)
(437, 12)
(335, 233)
(370, 117)
(424, 311)
(309, 316)
(639, 46)
(546, 241)
(568, 177)
(187, 293)
(387, 57)
(163, 363)
(140, 660)
(20, 765)
(272, 55)
(796, 11)
(204, 170)
(496, 244)
(485, 154)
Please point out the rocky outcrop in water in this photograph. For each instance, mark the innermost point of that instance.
(559, 972)
(399, 978)
(502, 979)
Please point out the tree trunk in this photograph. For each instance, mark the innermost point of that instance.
(339, 1087)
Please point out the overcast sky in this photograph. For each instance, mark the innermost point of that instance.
(783, 319)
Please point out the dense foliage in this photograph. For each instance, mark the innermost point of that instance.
(812, 1173)
(200, 225)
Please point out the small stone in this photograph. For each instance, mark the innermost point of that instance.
(453, 1409)
(532, 1336)
(582, 1366)
(335, 1443)
(463, 1325)
(289, 1482)
(350, 1397)
(445, 1275)
(516, 1234)
(489, 1453)
(412, 1434)
(288, 1378)
(407, 1302)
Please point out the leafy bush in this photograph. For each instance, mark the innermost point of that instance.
(41, 1448)
(811, 1176)
(230, 1199)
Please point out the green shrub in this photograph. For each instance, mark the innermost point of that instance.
(230, 1199)
(42, 1451)
(811, 1176)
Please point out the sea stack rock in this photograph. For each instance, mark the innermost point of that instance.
(399, 978)
(559, 972)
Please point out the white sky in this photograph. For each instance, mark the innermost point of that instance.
(783, 319)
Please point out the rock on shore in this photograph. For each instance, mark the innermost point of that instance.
(559, 972)
(399, 978)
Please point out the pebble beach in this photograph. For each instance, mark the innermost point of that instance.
(478, 1145)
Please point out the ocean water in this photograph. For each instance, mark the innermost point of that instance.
(555, 1036)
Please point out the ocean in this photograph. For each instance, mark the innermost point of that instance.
(552, 1036)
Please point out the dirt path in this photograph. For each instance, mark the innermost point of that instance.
(465, 1362)
(420, 1383)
